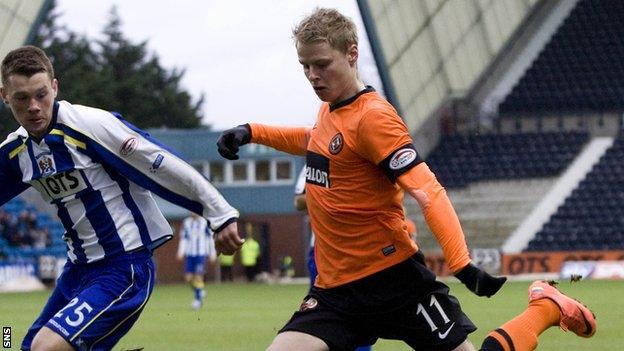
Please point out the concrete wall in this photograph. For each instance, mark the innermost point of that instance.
(436, 49)
(16, 22)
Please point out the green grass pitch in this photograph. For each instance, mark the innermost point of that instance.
(244, 317)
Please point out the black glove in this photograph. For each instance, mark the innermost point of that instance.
(231, 139)
(479, 281)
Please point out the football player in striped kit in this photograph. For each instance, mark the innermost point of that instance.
(99, 171)
(195, 246)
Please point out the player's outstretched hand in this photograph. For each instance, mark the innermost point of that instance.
(227, 240)
(231, 139)
(479, 281)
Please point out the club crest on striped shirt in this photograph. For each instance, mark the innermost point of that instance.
(45, 163)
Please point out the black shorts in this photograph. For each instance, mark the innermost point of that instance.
(403, 302)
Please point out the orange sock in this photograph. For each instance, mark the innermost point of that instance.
(520, 333)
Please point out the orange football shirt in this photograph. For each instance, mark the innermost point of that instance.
(356, 211)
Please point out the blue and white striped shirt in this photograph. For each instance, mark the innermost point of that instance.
(98, 170)
(196, 238)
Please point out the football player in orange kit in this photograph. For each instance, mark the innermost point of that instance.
(372, 280)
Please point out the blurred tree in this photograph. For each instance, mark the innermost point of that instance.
(114, 74)
(145, 92)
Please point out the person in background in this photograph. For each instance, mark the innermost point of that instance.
(226, 262)
(286, 269)
(372, 279)
(40, 238)
(7, 225)
(299, 202)
(195, 246)
(25, 225)
(99, 171)
(250, 253)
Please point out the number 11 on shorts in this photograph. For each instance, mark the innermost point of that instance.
(433, 302)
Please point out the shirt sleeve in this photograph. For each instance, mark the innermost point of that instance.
(439, 214)
(293, 140)
(384, 140)
(212, 250)
(183, 233)
(153, 166)
(12, 185)
(301, 180)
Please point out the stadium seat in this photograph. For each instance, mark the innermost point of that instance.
(459, 159)
(580, 68)
(58, 246)
(591, 217)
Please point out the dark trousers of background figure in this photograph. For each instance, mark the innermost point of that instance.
(250, 272)
(226, 274)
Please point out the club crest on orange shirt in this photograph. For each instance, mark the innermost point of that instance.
(308, 304)
(335, 145)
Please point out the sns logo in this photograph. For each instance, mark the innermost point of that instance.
(402, 158)
(6, 337)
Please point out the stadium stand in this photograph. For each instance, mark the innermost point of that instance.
(459, 160)
(43, 224)
(488, 177)
(488, 210)
(591, 217)
(581, 67)
(578, 73)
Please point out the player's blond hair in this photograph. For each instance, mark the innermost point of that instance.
(326, 25)
(27, 61)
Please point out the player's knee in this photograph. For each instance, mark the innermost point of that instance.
(198, 281)
(47, 340)
(465, 346)
(291, 340)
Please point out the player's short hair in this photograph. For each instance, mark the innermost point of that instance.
(27, 61)
(326, 25)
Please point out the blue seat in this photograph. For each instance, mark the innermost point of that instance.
(461, 159)
(591, 217)
(585, 54)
